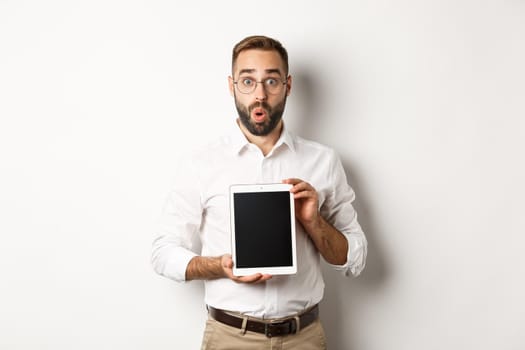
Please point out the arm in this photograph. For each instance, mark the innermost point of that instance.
(208, 268)
(333, 227)
(330, 243)
(173, 255)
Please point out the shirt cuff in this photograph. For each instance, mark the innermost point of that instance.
(356, 256)
(177, 264)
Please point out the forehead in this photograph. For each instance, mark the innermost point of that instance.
(258, 61)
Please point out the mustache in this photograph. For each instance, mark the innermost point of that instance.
(263, 104)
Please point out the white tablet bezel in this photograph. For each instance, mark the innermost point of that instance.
(274, 270)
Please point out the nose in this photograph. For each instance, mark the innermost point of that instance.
(260, 92)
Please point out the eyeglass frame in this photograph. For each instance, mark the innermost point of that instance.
(260, 82)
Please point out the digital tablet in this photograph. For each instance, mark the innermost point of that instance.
(263, 229)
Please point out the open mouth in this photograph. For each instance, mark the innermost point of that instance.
(258, 114)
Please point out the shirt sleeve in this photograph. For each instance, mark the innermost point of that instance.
(340, 213)
(178, 226)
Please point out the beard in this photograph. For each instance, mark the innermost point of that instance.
(260, 129)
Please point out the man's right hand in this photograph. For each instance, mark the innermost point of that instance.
(227, 266)
(208, 268)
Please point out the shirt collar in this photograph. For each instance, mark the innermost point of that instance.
(286, 138)
(239, 141)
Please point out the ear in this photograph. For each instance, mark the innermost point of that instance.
(231, 86)
(288, 85)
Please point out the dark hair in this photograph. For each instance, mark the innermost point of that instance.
(260, 42)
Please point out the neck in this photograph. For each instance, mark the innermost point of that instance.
(266, 142)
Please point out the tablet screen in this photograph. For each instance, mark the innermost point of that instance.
(263, 229)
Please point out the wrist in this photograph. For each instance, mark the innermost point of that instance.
(205, 268)
(313, 224)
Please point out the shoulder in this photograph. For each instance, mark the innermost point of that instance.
(206, 154)
(313, 147)
(226, 141)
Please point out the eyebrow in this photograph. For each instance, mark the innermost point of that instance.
(251, 70)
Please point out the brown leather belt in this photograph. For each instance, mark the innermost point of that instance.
(269, 328)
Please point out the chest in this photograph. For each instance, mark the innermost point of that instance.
(254, 170)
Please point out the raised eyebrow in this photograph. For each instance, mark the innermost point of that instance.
(273, 70)
(242, 71)
(268, 71)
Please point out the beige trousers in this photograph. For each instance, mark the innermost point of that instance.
(218, 336)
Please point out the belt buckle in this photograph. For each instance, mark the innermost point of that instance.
(268, 328)
(267, 331)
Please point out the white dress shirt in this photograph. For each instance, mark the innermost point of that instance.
(198, 204)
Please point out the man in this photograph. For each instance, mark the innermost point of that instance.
(252, 312)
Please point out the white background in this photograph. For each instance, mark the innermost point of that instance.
(423, 100)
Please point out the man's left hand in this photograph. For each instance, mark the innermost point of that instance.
(306, 202)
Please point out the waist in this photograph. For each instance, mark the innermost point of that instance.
(295, 294)
(268, 327)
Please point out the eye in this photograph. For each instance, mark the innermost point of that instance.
(247, 82)
(271, 82)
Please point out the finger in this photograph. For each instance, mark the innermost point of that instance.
(265, 277)
(292, 181)
(305, 194)
(299, 185)
(303, 189)
(250, 279)
(253, 279)
(262, 278)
